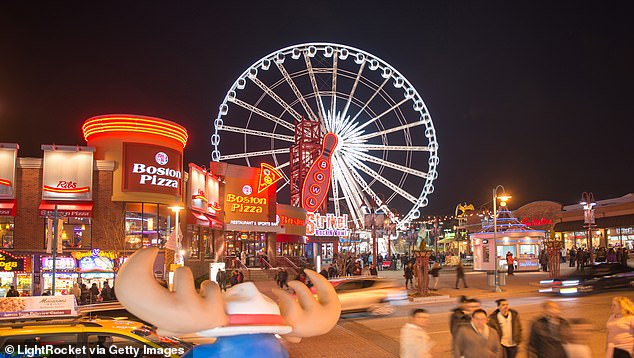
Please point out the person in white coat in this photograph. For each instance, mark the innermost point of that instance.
(415, 342)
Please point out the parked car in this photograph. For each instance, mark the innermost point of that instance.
(596, 278)
(374, 295)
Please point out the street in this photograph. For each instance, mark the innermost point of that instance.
(361, 335)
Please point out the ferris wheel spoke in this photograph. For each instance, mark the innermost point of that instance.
(254, 132)
(309, 111)
(313, 82)
(369, 158)
(388, 131)
(261, 112)
(335, 192)
(367, 103)
(255, 154)
(352, 196)
(276, 98)
(372, 120)
(366, 147)
(333, 96)
(350, 97)
(369, 171)
(366, 187)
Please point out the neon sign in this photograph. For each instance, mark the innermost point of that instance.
(317, 182)
(268, 177)
(536, 222)
(326, 225)
(66, 186)
(140, 124)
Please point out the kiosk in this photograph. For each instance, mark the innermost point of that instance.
(512, 236)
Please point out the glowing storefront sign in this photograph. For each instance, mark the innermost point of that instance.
(8, 158)
(67, 173)
(203, 191)
(268, 176)
(328, 225)
(10, 263)
(242, 202)
(152, 169)
(61, 263)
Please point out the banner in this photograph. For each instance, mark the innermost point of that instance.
(37, 306)
(50, 229)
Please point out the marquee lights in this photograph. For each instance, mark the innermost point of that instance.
(139, 124)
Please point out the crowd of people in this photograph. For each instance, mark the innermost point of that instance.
(579, 257)
(476, 334)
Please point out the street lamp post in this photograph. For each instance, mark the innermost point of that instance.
(503, 198)
(588, 203)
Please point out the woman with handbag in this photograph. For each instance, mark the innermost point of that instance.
(620, 327)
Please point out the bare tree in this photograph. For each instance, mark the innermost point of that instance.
(109, 227)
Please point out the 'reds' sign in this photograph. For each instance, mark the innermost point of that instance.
(152, 169)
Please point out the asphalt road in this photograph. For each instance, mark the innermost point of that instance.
(361, 335)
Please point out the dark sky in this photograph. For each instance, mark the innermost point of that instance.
(535, 95)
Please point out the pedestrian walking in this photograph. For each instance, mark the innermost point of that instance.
(415, 342)
(435, 274)
(572, 257)
(543, 260)
(373, 271)
(577, 337)
(510, 264)
(221, 279)
(476, 340)
(460, 275)
(76, 291)
(620, 327)
(409, 275)
(547, 333)
(506, 323)
(462, 314)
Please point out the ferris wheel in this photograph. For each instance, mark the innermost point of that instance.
(386, 151)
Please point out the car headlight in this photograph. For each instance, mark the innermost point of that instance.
(570, 283)
(546, 282)
(568, 290)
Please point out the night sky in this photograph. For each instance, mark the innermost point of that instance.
(534, 95)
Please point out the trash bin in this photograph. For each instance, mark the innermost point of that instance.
(491, 278)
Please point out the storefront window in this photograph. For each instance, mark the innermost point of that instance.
(76, 233)
(528, 250)
(194, 242)
(6, 231)
(207, 242)
(146, 225)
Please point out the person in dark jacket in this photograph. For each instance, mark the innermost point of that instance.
(476, 340)
(373, 271)
(462, 314)
(409, 275)
(94, 293)
(506, 322)
(460, 275)
(547, 333)
(435, 274)
(12, 292)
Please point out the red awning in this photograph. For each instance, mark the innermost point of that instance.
(7, 208)
(201, 219)
(65, 208)
(290, 238)
(198, 219)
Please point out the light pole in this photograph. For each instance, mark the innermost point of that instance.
(588, 203)
(503, 199)
(178, 254)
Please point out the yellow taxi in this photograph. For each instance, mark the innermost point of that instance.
(81, 337)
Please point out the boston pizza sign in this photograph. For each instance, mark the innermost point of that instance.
(152, 169)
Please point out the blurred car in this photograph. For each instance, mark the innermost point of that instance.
(100, 337)
(599, 277)
(374, 295)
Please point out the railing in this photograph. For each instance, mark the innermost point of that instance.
(233, 263)
(287, 262)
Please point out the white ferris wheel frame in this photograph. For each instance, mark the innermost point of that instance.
(351, 155)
